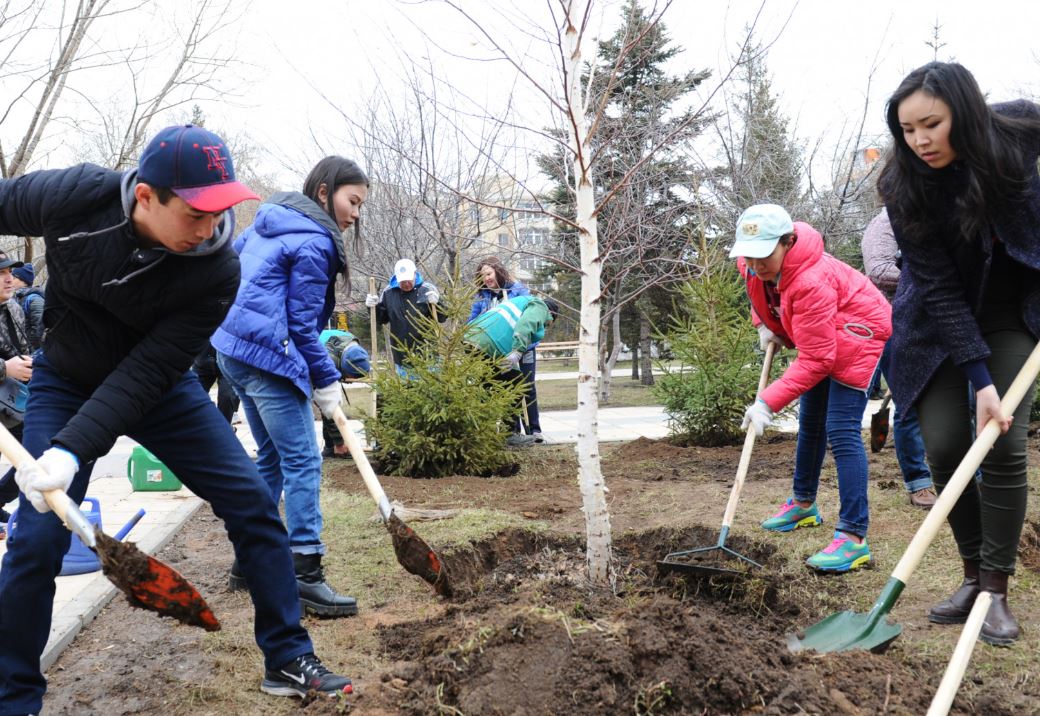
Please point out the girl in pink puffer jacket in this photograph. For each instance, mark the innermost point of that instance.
(804, 298)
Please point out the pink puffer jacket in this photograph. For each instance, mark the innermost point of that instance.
(836, 318)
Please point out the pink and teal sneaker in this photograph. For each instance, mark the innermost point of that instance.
(792, 516)
(841, 555)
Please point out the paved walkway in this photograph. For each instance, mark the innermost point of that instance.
(79, 598)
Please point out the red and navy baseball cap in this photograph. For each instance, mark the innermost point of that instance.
(196, 165)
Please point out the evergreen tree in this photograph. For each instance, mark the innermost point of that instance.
(648, 189)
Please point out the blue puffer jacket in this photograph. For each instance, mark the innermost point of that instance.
(290, 257)
(486, 297)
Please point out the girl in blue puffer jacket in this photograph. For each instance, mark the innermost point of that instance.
(268, 347)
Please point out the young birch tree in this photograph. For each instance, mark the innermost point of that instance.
(593, 493)
(579, 113)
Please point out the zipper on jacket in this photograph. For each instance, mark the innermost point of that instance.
(286, 344)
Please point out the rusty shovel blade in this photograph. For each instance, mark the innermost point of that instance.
(879, 426)
(416, 556)
(150, 584)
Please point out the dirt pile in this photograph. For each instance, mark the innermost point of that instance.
(530, 637)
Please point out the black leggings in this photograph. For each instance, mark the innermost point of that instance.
(987, 519)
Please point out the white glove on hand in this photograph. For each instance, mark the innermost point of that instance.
(53, 470)
(432, 296)
(758, 415)
(371, 300)
(511, 361)
(766, 336)
(328, 398)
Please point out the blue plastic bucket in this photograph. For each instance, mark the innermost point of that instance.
(80, 559)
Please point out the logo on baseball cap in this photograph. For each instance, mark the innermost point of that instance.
(759, 229)
(196, 165)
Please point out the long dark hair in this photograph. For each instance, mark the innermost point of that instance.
(333, 172)
(989, 154)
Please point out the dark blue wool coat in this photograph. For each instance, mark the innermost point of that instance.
(943, 279)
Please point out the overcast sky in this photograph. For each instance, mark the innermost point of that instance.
(821, 56)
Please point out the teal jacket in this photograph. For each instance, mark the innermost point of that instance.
(512, 325)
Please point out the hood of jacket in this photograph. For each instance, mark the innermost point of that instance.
(807, 250)
(271, 223)
(392, 283)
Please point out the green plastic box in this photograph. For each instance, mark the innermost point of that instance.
(148, 474)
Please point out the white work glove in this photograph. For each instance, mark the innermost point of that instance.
(328, 398)
(766, 336)
(511, 361)
(53, 470)
(758, 415)
(432, 296)
(371, 300)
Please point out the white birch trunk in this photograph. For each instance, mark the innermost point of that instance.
(590, 477)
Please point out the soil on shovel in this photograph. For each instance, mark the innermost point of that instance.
(524, 633)
(151, 586)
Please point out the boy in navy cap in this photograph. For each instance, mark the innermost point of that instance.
(141, 272)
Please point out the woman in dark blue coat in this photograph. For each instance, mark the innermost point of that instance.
(963, 195)
(268, 348)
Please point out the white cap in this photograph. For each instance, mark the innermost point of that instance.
(404, 270)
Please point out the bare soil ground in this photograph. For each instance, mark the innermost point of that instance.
(526, 634)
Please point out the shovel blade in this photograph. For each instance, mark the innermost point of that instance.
(150, 584)
(878, 430)
(846, 631)
(417, 557)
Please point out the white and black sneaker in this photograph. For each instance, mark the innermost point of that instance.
(301, 676)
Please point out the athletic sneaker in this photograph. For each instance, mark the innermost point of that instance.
(519, 440)
(538, 437)
(302, 675)
(792, 516)
(841, 555)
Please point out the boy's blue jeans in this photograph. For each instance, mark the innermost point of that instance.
(832, 412)
(288, 458)
(906, 434)
(187, 432)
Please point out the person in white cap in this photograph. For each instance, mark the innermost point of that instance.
(405, 296)
(804, 298)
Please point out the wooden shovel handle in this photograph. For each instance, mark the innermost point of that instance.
(749, 443)
(965, 472)
(363, 465)
(951, 680)
(61, 503)
(375, 349)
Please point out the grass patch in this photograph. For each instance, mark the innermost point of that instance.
(563, 394)
(361, 555)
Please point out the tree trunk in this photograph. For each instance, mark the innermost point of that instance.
(635, 362)
(610, 358)
(644, 346)
(590, 477)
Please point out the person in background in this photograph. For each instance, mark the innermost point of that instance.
(406, 297)
(140, 273)
(495, 286)
(31, 299)
(963, 196)
(268, 349)
(15, 363)
(880, 254)
(353, 361)
(804, 298)
(205, 367)
(504, 332)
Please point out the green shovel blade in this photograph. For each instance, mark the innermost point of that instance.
(848, 630)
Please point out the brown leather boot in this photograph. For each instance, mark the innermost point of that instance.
(1000, 627)
(955, 609)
